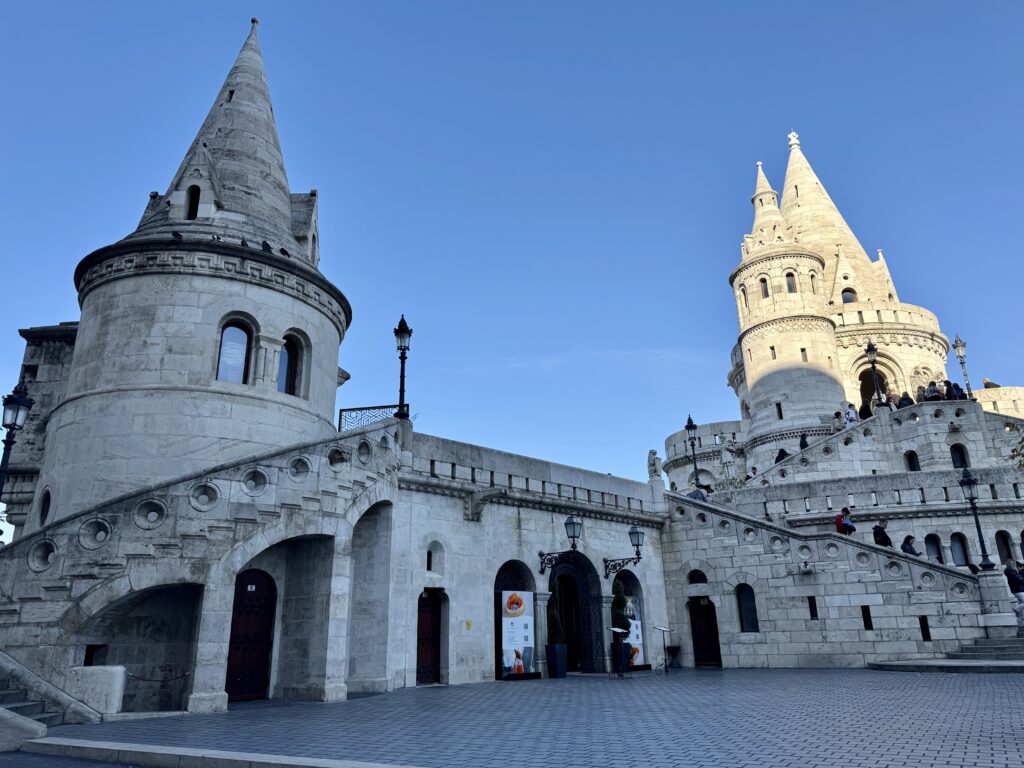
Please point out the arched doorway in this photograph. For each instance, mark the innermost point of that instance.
(252, 636)
(1004, 547)
(429, 636)
(635, 613)
(576, 588)
(707, 652)
(514, 577)
(370, 601)
(867, 391)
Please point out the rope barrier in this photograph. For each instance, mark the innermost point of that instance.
(156, 680)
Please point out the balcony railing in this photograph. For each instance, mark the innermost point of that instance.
(353, 418)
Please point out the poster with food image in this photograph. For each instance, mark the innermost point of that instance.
(516, 632)
(636, 634)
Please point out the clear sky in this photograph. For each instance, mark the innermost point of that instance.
(553, 193)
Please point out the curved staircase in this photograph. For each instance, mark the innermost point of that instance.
(990, 654)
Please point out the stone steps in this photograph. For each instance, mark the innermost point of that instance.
(971, 653)
(18, 701)
(950, 665)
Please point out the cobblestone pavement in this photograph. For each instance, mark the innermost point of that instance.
(736, 718)
(22, 760)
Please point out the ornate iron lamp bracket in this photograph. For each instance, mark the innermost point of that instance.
(616, 565)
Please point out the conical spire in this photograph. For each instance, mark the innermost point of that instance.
(769, 226)
(236, 163)
(814, 217)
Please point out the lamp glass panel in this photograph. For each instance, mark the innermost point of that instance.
(10, 414)
(22, 415)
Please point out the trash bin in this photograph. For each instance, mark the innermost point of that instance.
(673, 652)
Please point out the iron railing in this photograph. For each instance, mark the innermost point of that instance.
(353, 418)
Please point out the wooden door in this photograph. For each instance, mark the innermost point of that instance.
(704, 629)
(428, 638)
(252, 636)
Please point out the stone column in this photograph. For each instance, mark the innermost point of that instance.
(606, 638)
(336, 673)
(997, 614)
(1015, 549)
(540, 631)
(947, 554)
(212, 642)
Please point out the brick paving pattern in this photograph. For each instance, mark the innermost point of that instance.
(736, 718)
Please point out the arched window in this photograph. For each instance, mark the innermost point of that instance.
(849, 295)
(933, 546)
(289, 366)
(958, 547)
(959, 456)
(1003, 547)
(743, 295)
(192, 202)
(814, 284)
(790, 282)
(913, 463)
(747, 608)
(235, 351)
(44, 508)
(435, 557)
(764, 288)
(697, 577)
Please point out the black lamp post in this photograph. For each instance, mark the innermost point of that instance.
(573, 529)
(969, 485)
(872, 352)
(960, 347)
(403, 334)
(16, 408)
(636, 538)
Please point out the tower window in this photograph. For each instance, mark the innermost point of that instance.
(235, 351)
(814, 285)
(772, 350)
(764, 288)
(803, 354)
(849, 295)
(289, 366)
(231, 95)
(743, 295)
(790, 282)
(778, 410)
(959, 456)
(747, 608)
(913, 463)
(192, 203)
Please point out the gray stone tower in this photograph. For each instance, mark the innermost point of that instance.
(206, 335)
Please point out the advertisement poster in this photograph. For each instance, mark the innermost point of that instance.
(636, 635)
(517, 632)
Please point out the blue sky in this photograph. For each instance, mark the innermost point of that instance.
(552, 192)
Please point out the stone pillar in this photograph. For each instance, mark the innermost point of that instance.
(947, 554)
(1015, 549)
(997, 614)
(606, 640)
(212, 642)
(336, 673)
(540, 631)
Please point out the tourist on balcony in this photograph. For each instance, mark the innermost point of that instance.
(947, 390)
(921, 396)
(933, 392)
(1015, 581)
(905, 400)
(803, 441)
(881, 537)
(851, 416)
(838, 423)
(908, 546)
(960, 394)
(844, 523)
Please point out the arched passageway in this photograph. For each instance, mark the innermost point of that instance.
(576, 588)
(152, 634)
(635, 613)
(252, 636)
(707, 651)
(431, 637)
(867, 391)
(515, 648)
(370, 601)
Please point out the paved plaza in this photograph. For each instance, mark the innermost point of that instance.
(736, 718)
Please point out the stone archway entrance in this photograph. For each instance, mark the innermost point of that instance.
(576, 587)
(704, 630)
(867, 391)
(252, 636)
(429, 636)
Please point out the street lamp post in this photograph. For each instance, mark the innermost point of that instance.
(960, 347)
(573, 529)
(16, 408)
(969, 485)
(872, 352)
(403, 334)
(636, 538)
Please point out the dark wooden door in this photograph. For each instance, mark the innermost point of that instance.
(569, 613)
(428, 638)
(704, 628)
(252, 636)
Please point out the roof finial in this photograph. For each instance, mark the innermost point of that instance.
(794, 139)
(254, 21)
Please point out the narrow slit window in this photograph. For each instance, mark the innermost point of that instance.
(231, 96)
(926, 632)
(778, 410)
(790, 282)
(812, 607)
(865, 614)
(803, 354)
(192, 202)
(772, 350)
(764, 288)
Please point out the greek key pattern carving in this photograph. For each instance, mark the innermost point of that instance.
(805, 323)
(214, 265)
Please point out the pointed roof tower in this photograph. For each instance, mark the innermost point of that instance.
(769, 227)
(807, 207)
(232, 182)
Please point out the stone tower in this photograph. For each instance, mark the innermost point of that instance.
(785, 370)
(208, 333)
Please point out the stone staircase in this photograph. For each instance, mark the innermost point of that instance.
(1002, 654)
(19, 701)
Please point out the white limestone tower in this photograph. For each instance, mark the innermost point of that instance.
(206, 335)
(785, 370)
(860, 294)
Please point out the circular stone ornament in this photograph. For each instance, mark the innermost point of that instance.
(42, 555)
(149, 514)
(204, 496)
(255, 481)
(94, 533)
(299, 469)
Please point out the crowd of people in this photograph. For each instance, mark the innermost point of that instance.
(934, 392)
